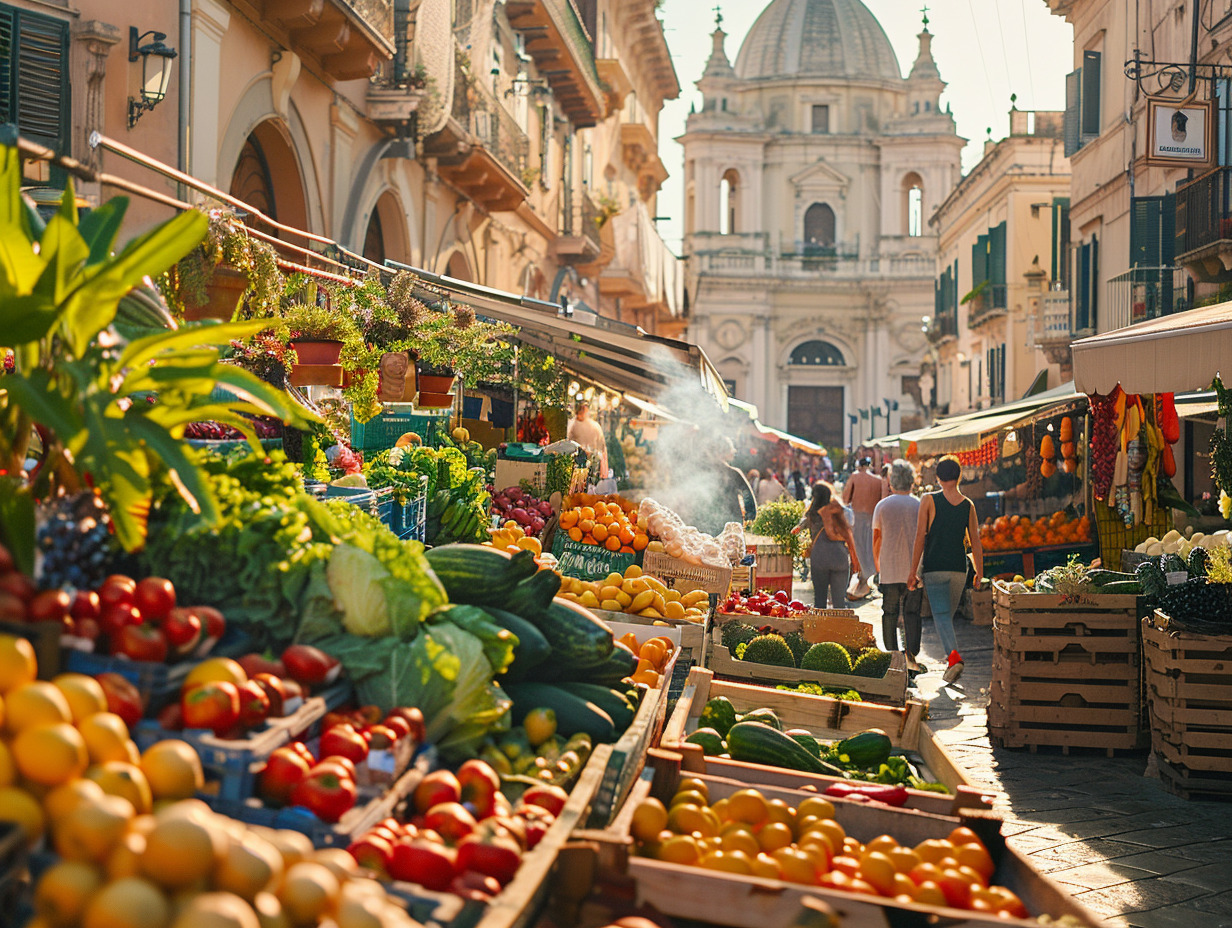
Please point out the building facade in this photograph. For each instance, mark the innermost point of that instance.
(1004, 267)
(511, 144)
(810, 172)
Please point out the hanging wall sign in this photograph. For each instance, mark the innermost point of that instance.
(1180, 136)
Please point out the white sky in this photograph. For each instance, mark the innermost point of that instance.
(985, 49)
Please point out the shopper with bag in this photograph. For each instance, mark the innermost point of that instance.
(946, 525)
(894, 526)
(831, 549)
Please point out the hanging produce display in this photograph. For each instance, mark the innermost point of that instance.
(1132, 461)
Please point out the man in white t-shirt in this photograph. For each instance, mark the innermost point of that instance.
(589, 436)
(894, 527)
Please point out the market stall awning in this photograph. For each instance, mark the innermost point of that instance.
(1189, 405)
(1171, 354)
(649, 409)
(620, 355)
(967, 432)
(741, 406)
(800, 444)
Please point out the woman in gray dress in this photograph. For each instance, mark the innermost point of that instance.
(834, 557)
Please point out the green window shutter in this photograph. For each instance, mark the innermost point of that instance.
(996, 255)
(954, 290)
(1167, 230)
(8, 25)
(1090, 95)
(1060, 240)
(1144, 232)
(1073, 112)
(979, 261)
(42, 80)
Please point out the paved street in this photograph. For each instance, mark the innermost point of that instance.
(1127, 849)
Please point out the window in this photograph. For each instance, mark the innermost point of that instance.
(995, 365)
(729, 198)
(1082, 99)
(996, 266)
(817, 353)
(821, 119)
(1060, 242)
(1086, 298)
(1152, 231)
(34, 91)
(915, 212)
(818, 228)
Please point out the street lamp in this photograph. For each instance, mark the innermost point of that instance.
(155, 58)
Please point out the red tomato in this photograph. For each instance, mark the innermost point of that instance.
(310, 666)
(118, 589)
(12, 608)
(344, 741)
(182, 628)
(479, 785)
(123, 698)
(494, 855)
(254, 704)
(450, 820)
(398, 725)
(211, 620)
(50, 606)
(86, 605)
(281, 774)
(19, 585)
(552, 798)
(431, 865)
(214, 705)
(274, 692)
(118, 616)
(155, 597)
(325, 794)
(373, 852)
(141, 643)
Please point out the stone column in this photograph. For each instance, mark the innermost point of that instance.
(96, 39)
(344, 124)
(210, 19)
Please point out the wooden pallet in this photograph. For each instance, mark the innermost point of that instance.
(1191, 784)
(981, 608)
(825, 718)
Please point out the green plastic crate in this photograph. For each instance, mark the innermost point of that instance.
(382, 431)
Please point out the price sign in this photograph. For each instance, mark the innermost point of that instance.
(588, 562)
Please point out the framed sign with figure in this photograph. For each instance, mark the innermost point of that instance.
(1180, 136)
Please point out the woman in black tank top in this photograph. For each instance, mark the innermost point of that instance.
(947, 523)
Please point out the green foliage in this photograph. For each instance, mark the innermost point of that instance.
(114, 411)
(827, 657)
(769, 649)
(816, 689)
(227, 242)
(1219, 565)
(541, 379)
(776, 520)
(311, 321)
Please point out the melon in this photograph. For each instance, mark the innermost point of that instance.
(408, 440)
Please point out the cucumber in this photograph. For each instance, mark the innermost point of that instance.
(573, 714)
(578, 638)
(756, 743)
(613, 702)
(475, 575)
(532, 650)
(533, 595)
(615, 669)
(868, 749)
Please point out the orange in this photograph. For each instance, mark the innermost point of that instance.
(586, 514)
(929, 893)
(249, 867)
(737, 839)
(679, 849)
(833, 831)
(91, 830)
(182, 849)
(976, 857)
(685, 819)
(84, 694)
(575, 534)
(612, 543)
(640, 541)
(8, 767)
(599, 530)
(878, 870)
(747, 805)
(64, 799)
(173, 769)
(925, 873)
(932, 850)
(37, 703)
(308, 892)
(905, 859)
(50, 754)
(216, 670)
(18, 806)
(649, 818)
(18, 664)
(728, 862)
(124, 860)
(118, 778)
(882, 843)
(106, 737)
(627, 534)
(773, 836)
(128, 903)
(815, 805)
(694, 784)
(777, 810)
(64, 890)
(587, 526)
(568, 518)
(963, 835)
(957, 888)
(766, 867)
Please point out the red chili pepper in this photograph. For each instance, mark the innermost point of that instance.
(874, 792)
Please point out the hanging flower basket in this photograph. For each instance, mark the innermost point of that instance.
(321, 375)
(223, 295)
(317, 350)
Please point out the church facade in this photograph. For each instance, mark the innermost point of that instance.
(810, 173)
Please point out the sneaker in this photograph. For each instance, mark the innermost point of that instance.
(954, 671)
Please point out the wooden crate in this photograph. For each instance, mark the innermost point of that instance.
(981, 608)
(840, 625)
(830, 719)
(1188, 686)
(892, 688)
(679, 574)
(1066, 671)
(712, 897)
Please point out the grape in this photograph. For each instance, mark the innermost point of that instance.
(76, 542)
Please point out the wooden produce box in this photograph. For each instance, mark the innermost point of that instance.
(714, 897)
(892, 688)
(839, 625)
(982, 609)
(1066, 671)
(679, 574)
(830, 719)
(1188, 689)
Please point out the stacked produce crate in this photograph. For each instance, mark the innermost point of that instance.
(1066, 670)
(1188, 690)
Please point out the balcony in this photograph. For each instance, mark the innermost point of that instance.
(579, 240)
(1204, 226)
(1143, 293)
(482, 150)
(840, 265)
(563, 53)
(644, 274)
(1054, 330)
(943, 329)
(351, 38)
(640, 151)
(986, 303)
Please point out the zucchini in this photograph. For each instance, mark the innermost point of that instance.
(867, 750)
(613, 702)
(1132, 587)
(615, 669)
(1102, 577)
(532, 597)
(475, 575)
(578, 638)
(755, 743)
(532, 650)
(709, 739)
(573, 714)
(805, 740)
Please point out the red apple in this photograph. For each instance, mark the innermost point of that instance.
(450, 820)
(212, 622)
(141, 643)
(437, 787)
(552, 798)
(118, 616)
(86, 628)
(183, 630)
(431, 865)
(118, 589)
(155, 597)
(254, 704)
(494, 855)
(325, 793)
(478, 785)
(86, 605)
(373, 852)
(123, 698)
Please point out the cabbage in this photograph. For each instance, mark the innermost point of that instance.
(355, 579)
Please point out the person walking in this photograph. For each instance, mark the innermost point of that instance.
(769, 489)
(588, 434)
(754, 478)
(894, 526)
(833, 557)
(862, 492)
(946, 524)
(797, 489)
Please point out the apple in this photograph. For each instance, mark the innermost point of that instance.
(118, 616)
(450, 820)
(494, 855)
(428, 863)
(549, 797)
(254, 664)
(155, 597)
(118, 590)
(86, 605)
(214, 705)
(439, 786)
(344, 741)
(275, 692)
(123, 698)
(254, 704)
(141, 643)
(373, 852)
(478, 785)
(183, 630)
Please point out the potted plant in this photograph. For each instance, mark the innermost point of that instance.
(318, 333)
(227, 267)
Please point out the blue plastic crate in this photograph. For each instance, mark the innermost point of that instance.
(406, 520)
(383, 430)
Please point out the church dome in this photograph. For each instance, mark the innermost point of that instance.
(817, 38)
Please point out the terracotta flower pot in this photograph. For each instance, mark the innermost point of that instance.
(433, 400)
(323, 375)
(317, 351)
(223, 295)
(435, 383)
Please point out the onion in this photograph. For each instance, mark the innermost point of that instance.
(536, 524)
(546, 508)
(514, 493)
(520, 516)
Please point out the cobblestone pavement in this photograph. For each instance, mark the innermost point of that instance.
(1102, 827)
